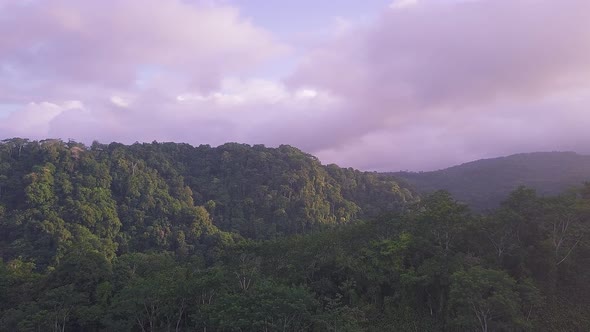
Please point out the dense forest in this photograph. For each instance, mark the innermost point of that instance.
(484, 184)
(170, 237)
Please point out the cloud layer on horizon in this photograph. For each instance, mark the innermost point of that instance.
(427, 84)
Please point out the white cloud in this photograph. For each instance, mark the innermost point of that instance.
(236, 92)
(402, 4)
(109, 43)
(34, 120)
(120, 101)
(306, 94)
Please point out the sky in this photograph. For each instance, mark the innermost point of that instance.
(376, 85)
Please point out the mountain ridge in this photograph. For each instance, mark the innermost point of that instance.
(484, 183)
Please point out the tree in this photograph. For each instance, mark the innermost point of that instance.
(566, 224)
(269, 307)
(485, 299)
(60, 304)
(502, 230)
(442, 219)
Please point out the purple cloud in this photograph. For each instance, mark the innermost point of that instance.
(108, 42)
(446, 74)
(425, 85)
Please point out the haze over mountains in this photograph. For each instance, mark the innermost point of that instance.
(483, 184)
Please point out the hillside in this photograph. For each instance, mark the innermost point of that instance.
(483, 184)
(167, 195)
(171, 237)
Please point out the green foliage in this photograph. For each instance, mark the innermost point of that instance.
(268, 307)
(172, 197)
(484, 299)
(163, 237)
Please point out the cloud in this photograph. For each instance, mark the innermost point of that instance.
(434, 84)
(401, 4)
(111, 42)
(237, 92)
(34, 120)
(252, 111)
(120, 101)
(414, 75)
(448, 137)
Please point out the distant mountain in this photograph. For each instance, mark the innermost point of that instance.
(483, 184)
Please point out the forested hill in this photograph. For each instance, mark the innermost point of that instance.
(165, 195)
(483, 184)
(170, 237)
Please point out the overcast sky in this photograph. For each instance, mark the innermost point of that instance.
(372, 84)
